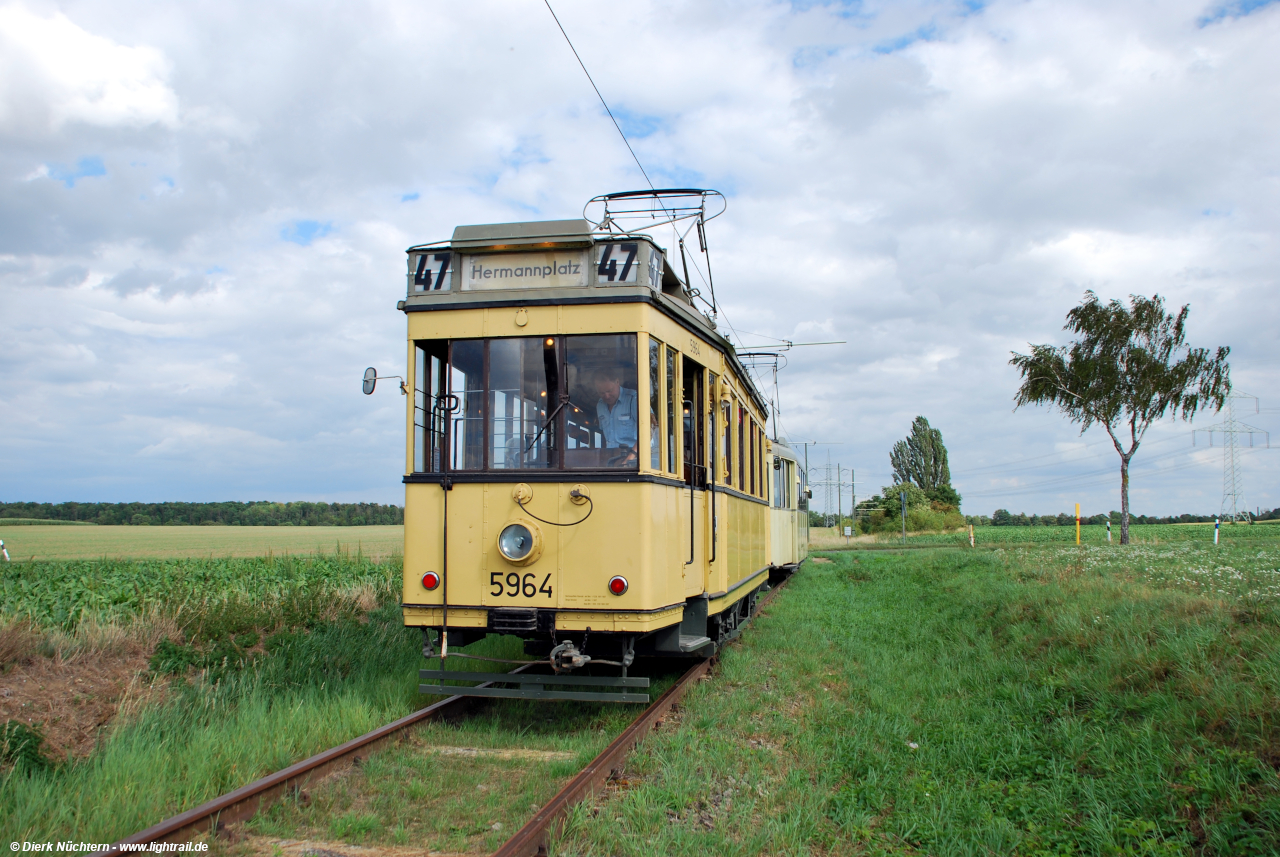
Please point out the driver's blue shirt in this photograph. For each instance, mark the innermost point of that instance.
(619, 423)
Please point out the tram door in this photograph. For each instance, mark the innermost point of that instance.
(695, 460)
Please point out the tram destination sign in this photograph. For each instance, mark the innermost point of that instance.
(544, 270)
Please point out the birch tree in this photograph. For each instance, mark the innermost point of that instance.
(1129, 367)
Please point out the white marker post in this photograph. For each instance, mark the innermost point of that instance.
(902, 495)
(1215, 531)
(1077, 524)
(1108, 531)
(971, 535)
(4, 550)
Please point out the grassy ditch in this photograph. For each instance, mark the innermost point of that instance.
(1027, 702)
(257, 665)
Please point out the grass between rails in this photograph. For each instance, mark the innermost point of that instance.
(1032, 702)
(91, 542)
(413, 794)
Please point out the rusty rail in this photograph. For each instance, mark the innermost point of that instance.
(246, 801)
(532, 839)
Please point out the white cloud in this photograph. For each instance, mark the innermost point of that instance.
(53, 72)
(170, 279)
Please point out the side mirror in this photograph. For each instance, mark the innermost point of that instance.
(777, 462)
(371, 379)
(808, 493)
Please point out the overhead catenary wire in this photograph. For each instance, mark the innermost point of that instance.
(1092, 477)
(1016, 467)
(599, 95)
(643, 172)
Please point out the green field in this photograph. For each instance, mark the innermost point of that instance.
(1018, 699)
(93, 542)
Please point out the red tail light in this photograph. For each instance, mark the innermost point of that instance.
(430, 580)
(617, 585)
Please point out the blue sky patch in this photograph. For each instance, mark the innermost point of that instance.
(921, 34)
(1236, 9)
(84, 168)
(813, 55)
(409, 197)
(636, 126)
(303, 232)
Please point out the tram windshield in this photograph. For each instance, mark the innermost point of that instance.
(530, 403)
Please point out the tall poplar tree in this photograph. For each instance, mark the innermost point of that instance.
(921, 459)
(1129, 367)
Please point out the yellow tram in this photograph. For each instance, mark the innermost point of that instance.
(587, 461)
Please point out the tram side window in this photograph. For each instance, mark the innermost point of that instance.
(764, 462)
(753, 457)
(671, 409)
(466, 382)
(420, 409)
(711, 409)
(655, 407)
(524, 390)
(727, 453)
(430, 406)
(742, 450)
(602, 412)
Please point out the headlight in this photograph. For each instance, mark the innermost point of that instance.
(520, 543)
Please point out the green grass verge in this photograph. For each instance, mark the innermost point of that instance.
(947, 702)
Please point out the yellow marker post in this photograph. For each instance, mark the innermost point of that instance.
(1077, 523)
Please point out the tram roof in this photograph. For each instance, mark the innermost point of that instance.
(494, 235)
(674, 296)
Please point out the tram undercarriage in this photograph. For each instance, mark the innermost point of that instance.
(590, 659)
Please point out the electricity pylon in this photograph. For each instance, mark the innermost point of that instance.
(1233, 505)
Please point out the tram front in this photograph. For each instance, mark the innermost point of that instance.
(538, 501)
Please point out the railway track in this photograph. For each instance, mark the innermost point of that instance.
(532, 839)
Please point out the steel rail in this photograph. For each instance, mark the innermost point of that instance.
(246, 801)
(533, 839)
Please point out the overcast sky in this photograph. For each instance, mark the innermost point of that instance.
(204, 208)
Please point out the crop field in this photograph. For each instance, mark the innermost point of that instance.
(64, 594)
(88, 541)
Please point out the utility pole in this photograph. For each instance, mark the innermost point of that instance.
(1233, 505)
(839, 499)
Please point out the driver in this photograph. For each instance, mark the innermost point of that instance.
(616, 411)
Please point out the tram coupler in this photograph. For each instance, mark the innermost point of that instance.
(566, 657)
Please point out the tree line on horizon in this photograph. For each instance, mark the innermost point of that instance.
(261, 513)
(1005, 518)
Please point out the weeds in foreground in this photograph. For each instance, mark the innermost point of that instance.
(966, 703)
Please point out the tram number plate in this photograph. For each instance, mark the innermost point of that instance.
(617, 263)
(430, 272)
(514, 584)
